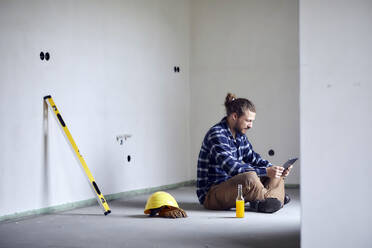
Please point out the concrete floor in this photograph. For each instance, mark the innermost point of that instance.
(127, 226)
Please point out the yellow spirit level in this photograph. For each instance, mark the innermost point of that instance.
(99, 195)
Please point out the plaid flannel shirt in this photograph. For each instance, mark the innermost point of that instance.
(222, 157)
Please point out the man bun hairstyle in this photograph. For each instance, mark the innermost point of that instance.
(238, 105)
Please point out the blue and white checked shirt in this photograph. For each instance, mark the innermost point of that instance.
(222, 157)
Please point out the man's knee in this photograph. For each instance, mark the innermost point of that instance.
(250, 178)
(253, 188)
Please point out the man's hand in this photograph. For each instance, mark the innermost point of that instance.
(274, 171)
(286, 172)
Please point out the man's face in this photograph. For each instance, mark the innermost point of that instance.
(245, 122)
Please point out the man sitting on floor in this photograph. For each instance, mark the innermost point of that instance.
(227, 159)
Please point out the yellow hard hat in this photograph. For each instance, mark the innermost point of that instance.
(160, 199)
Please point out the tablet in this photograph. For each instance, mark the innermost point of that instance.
(289, 163)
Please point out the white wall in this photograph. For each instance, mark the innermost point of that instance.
(110, 73)
(249, 48)
(336, 93)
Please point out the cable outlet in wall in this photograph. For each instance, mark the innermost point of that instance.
(122, 138)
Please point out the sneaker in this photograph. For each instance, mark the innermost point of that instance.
(286, 199)
(269, 205)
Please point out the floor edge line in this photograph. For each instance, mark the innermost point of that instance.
(90, 202)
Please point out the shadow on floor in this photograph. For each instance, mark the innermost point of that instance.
(192, 206)
(141, 204)
(137, 216)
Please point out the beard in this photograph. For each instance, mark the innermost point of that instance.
(241, 130)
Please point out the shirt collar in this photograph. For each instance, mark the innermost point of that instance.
(226, 126)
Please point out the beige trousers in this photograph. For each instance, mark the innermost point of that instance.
(223, 196)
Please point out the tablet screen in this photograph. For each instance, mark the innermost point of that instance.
(289, 163)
